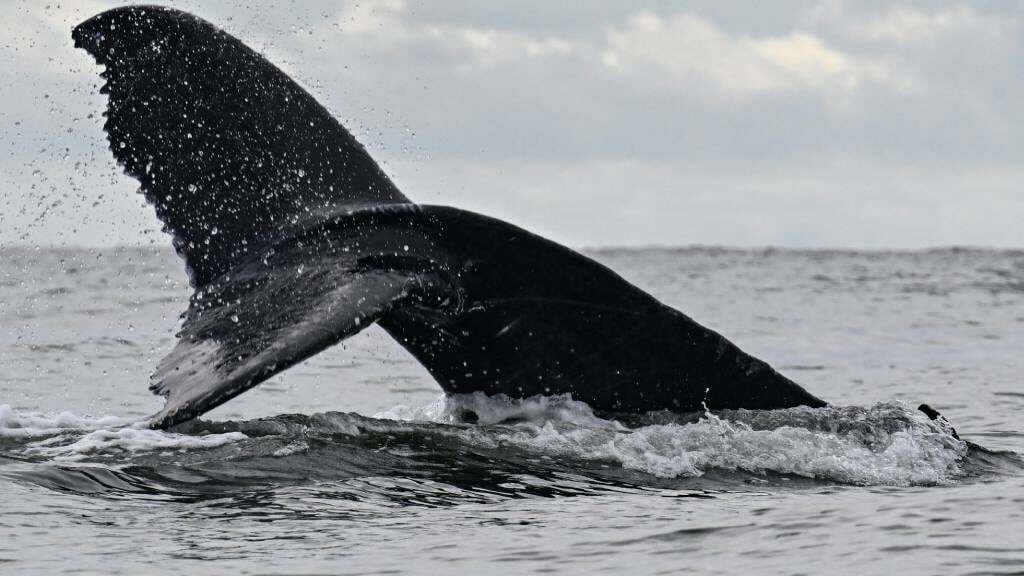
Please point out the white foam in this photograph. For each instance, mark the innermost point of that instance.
(134, 439)
(31, 424)
(297, 447)
(102, 435)
(904, 448)
(885, 444)
(500, 409)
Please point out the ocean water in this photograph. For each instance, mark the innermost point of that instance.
(353, 463)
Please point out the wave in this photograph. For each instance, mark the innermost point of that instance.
(67, 437)
(884, 444)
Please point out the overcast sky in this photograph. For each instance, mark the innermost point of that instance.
(788, 123)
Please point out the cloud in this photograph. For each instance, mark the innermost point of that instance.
(685, 50)
(688, 49)
(373, 17)
(701, 122)
(390, 22)
(825, 202)
(907, 25)
(40, 32)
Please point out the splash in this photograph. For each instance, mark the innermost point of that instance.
(885, 444)
(501, 409)
(132, 440)
(68, 437)
(15, 424)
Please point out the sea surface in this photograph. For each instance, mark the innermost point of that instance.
(354, 463)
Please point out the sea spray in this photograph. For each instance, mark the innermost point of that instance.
(884, 444)
(68, 437)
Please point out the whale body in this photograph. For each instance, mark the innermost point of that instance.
(294, 239)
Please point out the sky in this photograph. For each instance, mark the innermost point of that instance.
(794, 123)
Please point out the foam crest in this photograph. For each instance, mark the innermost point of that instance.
(14, 424)
(920, 454)
(500, 409)
(885, 444)
(131, 440)
(66, 436)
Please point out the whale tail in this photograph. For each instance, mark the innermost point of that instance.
(230, 150)
(295, 240)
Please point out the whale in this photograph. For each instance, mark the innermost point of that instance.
(294, 239)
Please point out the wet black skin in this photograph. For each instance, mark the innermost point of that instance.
(295, 239)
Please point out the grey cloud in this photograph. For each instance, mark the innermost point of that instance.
(514, 109)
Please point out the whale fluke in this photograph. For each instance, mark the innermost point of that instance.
(229, 149)
(277, 311)
(295, 240)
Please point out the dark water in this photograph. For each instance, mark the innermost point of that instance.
(351, 463)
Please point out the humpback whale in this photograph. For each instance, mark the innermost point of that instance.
(294, 240)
